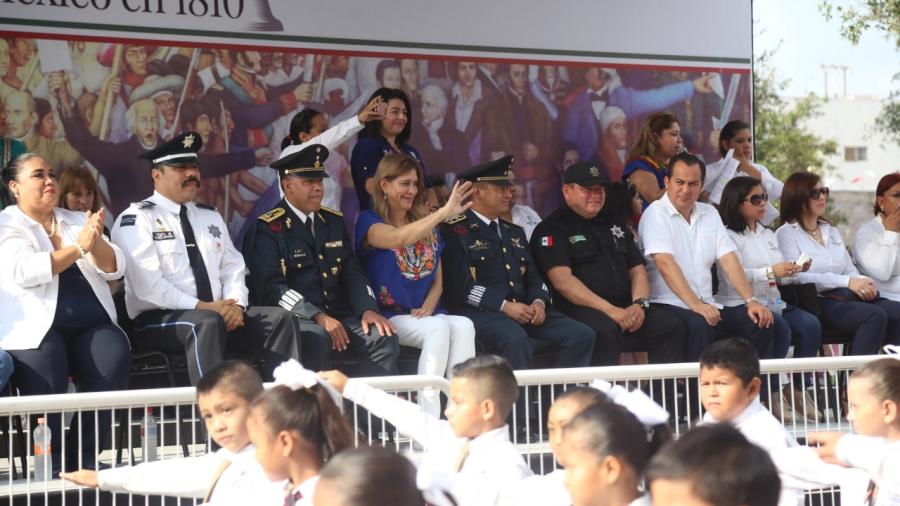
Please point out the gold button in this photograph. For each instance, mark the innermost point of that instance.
(510, 283)
(321, 257)
(504, 249)
(325, 293)
(324, 274)
(482, 259)
(298, 266)
(338, 260)
(514, 300)
(507, 266)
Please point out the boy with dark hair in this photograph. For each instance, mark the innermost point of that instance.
(473, 442)
(713, 466)
(224, 395)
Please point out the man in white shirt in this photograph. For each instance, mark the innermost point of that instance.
(184, 286)
(684, 238)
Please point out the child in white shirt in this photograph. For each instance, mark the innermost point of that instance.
(223, 397)
(473, 442)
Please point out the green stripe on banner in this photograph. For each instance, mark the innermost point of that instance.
(259, 36)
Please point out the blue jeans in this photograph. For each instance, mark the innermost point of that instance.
(873, 324)
(6, 368)
(803, 330)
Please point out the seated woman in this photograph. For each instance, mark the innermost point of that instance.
(736, 148)
(742, 209)
(57, 317)
(658, 141)
(78, 191)
(876, 246)
(850, 301)
(400, 247)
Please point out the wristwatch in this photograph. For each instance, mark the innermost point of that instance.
(751, 299)
(643, 302)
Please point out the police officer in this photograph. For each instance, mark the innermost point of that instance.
(490, 277)
(184, 285)
(597, 275)
(301, 258)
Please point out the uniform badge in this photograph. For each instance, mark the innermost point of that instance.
(617, 232)
(188, 141)
(164, 236)
(477, 245)
(547, 241)
(460, 230)
(288, 222)
(214, 231)
(334, 244)
(127, 220)
(276, 226)
(334, 271)
(576, 238)
(594, 172)
(522, 269)
(516, 243)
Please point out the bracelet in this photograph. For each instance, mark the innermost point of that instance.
(81, 250)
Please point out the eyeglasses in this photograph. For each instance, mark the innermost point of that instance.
(815, 193)
(758, 199)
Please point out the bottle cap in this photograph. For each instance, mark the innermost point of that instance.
(149, 411)
(41, 421)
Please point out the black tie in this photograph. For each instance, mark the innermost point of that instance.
(309, 225)
(204, 291)
(495, 228)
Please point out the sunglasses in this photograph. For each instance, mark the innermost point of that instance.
(815, 193)
(758, 199)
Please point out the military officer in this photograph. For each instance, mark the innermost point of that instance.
(490, 277)
(597, 275)
(184, 282)
(301, 259)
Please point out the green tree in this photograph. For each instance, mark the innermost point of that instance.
(881, 15)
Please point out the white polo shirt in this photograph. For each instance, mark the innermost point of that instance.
(695, 245)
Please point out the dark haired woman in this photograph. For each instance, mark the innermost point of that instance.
(742, 208)
(658, 141)
(876, 246)
(379, 137)
(736, 149)
(850, 301)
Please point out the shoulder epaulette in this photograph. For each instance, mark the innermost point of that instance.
(332, 211)
(272, 215)
(455, 219)
(201, 205)
(146, 204)
(511, 223)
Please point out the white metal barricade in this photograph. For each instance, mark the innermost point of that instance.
(180, 430)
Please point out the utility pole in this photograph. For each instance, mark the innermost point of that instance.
(825, 78)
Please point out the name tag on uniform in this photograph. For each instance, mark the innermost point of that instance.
(477, 245)
(577, 238)
(299, 253)
(127, 220)
(334, 244)
(163, 236)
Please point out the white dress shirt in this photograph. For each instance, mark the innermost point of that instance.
(695, 245)
(877, 253)
(28, 287)
(492, 464)
(719, 173)
(831, 266)
(191, 477)
(464, 108)
(879, 458)
(758, 251)
(159, 274)
(526, 218)
(537, 490)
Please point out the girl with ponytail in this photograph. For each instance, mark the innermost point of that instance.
(297, 426)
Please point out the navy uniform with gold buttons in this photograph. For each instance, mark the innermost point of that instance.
(489, 274)
(304, 262)
(602, 269)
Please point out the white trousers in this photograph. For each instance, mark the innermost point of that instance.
(445, 340)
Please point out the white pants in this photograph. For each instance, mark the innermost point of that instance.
(445, 341)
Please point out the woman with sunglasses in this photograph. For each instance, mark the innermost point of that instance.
(743, 206)
(850, 301)
(876, 246)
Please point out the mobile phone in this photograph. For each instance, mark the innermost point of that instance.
(802, 259)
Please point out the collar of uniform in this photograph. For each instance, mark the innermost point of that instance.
(753, 408)
(571, 212)
(826, 228)
(487, 221)
(62, 216)
(306, 488)
(499, 434)
(169, 205)
(300, 214)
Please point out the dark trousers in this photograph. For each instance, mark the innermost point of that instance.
(268, 333)
(662, 336)
(873, 324)
(500, 334)
(735, 323)
(98, 359)
(376, 354)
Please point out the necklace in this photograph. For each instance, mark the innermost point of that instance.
(54, 226)
(816, 233)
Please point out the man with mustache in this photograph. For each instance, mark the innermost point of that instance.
(184, 283)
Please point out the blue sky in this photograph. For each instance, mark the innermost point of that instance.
(808, 41)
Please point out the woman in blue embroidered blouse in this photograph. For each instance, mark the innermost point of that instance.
(400, 247)
(647, 166)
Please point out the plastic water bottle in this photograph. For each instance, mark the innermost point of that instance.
(149, 435)
(773, 298)
(42, 449)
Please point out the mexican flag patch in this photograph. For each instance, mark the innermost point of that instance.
(547, 241)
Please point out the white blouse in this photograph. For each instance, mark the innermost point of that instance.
(719, 173)
(831, 266)
(757, 251)
(28, 287)
(875, 250)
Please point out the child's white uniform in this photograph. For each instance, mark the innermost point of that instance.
(492, 462)
(877, 457)
(302, 494)
(538, 490)
(191, 477)
(758, 425)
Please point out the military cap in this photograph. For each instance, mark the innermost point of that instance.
(494, 172)
(182, 150)
(585, 174)
(308, 163)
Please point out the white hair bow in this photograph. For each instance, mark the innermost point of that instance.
(294, 376)
(892, 349)
(434, 485)
(647, 411)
